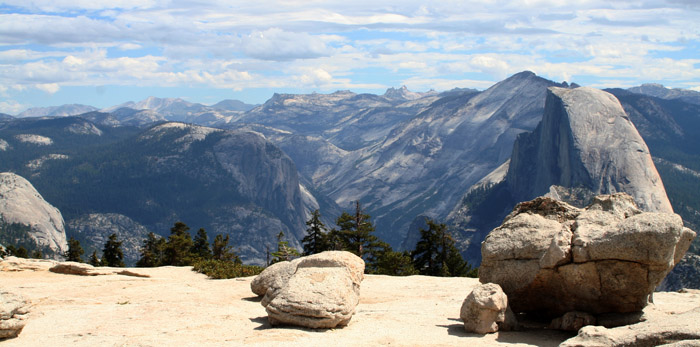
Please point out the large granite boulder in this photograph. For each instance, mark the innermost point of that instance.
(552, 258)
(317, 291)
(13, 314)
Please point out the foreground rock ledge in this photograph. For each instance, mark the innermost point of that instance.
(318, 291)
(552, 258)
(13, 314)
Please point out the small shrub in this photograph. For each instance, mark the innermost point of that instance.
(221, 269)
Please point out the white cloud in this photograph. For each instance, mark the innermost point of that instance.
(50, 88)
(11, 107)
(316, 77)
(332, 44)
(129, 46)
(276, 44)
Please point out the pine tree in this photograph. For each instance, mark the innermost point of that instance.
(200, 247)
(284, 251)
(152, 251)
(94, 260)
(112, 254)
(177, 249)
(221, 250)
(356, 232)
(394, 263)
(436, 254)
(21, 252)
(75, 251)
(316, 240)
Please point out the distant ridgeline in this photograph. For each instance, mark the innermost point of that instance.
(254, 171)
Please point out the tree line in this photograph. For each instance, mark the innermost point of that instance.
(435, 253)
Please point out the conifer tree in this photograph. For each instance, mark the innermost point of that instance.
(436, 254)
(394, 263)
(222, 251)
(94, 260)
(177, 249)
(356, 234)
(21, 252)
(200, 246)
(284, 251)
(75, 251)
(316, 240)
(152, 251)
(112, 254)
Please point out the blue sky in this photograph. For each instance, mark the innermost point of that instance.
(106, 52)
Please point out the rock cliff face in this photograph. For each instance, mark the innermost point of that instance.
(585, 140)
(93, 230)
(21, 204)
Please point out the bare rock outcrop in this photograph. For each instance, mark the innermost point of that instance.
(13, 314)
(676, 330)
(82, 269)
(317, 291)
(585, 145)
(552, 258)
(20, 203)
(484, 309)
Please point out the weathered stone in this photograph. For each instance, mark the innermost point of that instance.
(274, 272)
(21, 264)
(552, 258)
(572, 321)
(671, 329)
(13, 314)
(315, 298)
(81, 269)
(74, 268)
(613, 320)
(353, 263)
(317, 291)
(484, 308)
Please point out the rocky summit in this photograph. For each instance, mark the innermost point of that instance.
(27, 219)
(586, 143)
(552, 258)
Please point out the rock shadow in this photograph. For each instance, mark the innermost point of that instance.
(457, 329)
(265, 325)
(536, 337)
(253, 298)
(262, 320)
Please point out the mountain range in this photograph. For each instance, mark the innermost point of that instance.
(251, 171)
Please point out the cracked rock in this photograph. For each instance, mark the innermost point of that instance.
(317, 291)
(551, 258)
(13, 314)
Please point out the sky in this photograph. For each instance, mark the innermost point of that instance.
(106, 52)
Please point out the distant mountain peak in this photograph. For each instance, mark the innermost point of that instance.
(57, 111)
(404, 94)
(659, 91)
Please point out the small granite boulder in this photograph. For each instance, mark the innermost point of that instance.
(317, 291)
(484, 309)
(13, 314)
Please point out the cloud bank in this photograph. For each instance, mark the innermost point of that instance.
(234, 45)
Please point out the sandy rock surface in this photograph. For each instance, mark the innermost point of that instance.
(176, 306)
